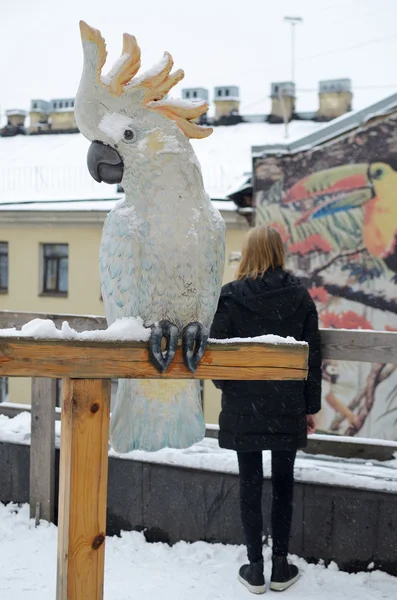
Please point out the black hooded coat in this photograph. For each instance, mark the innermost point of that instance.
(268, 415)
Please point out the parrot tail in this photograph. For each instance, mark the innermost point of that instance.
(151, 414)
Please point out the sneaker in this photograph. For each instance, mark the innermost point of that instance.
(283, 574)
(252, 577)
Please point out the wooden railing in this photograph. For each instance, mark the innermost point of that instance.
(363, 346)
(338, 344)
(87, 368)
(46, 360)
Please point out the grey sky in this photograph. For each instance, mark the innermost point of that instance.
(215, 44)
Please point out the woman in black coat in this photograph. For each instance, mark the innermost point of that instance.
(267, 415)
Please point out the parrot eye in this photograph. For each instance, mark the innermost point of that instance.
(129, 135)
(377, 174)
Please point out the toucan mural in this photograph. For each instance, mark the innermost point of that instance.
(335, 206)
(370, 186)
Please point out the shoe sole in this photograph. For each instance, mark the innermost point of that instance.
(254, 589)
(281, 587)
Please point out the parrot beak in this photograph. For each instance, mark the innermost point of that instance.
(105, 163)
(328, 192)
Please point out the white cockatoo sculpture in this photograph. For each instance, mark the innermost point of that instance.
(162, 247)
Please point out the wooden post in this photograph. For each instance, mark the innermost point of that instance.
(83, 489)
(42, 449)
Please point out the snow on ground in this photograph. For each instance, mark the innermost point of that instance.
(137, 570)
(353, 473)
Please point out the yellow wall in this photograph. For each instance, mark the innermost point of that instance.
(334, 104)
(63, 120)
(24, 269)
(35, 119)
(24, 241)
(287, 104)
(16, 120)
(224, 107)
(24, 278)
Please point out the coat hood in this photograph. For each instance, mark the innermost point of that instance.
(276, 294)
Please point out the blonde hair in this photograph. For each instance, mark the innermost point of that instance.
(263, 249)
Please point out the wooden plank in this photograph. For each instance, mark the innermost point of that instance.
(349, 345)
(83, 489)
(11, 410)
(362, 450)
(361, 346)
(316, 445)
(336, 447)
(42, 449)
(27, 357)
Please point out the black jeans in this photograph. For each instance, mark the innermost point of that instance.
(251, 483)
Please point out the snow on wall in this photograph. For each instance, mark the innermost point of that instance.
(352, 473)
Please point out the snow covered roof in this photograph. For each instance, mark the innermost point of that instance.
(89, 205)
(49, 171)
(332, 129)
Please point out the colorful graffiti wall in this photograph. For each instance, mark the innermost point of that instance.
(336, 208)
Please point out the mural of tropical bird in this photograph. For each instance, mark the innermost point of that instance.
(370, 186)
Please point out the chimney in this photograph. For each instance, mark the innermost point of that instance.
(16, 117)
(227, 102)
(15, 122)
(283, 101)
(62, 116)
(39, 112)
(196, 94)
(335, 98)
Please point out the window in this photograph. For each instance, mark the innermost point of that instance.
(55, 268)
(34, 105)
(72, 103)
(194, 94)
(187, 94)
(219, 92)
(226, 92)
(3, 267)
(61, 105)
(3, 389)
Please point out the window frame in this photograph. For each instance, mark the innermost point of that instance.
(58, 393)
(4, 389)
(57, 258)
(4, 290)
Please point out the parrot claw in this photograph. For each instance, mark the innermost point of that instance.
(194, 342)
(162, 360)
